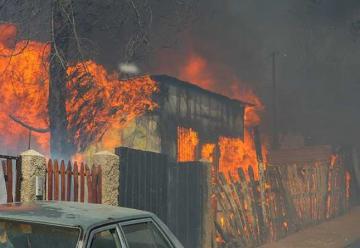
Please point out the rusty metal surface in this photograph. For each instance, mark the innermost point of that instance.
(68, 213)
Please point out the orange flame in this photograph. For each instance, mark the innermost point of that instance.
(234, 152)
(23, 91)
(347, 185)
(97, 103)
(187, 143)
(207, 152)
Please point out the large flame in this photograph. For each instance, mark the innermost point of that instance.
(97, 102)
(23, 91)
(234, 152)
(187, 144)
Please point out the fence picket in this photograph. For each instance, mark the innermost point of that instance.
(76, 182)
(68, 181)
(9, 183)
(89, 183)
(71, 182)
(94, 183)
(82, 183)
(99, 184)
(50, 180)
(80, 176)
(18, 180)
(56, 180)
(62, 173)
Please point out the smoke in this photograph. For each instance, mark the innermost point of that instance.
(317, 80)
(129, 68)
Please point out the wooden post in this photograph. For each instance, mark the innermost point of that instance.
(9, 186)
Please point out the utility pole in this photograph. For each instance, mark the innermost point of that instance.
(275, 135)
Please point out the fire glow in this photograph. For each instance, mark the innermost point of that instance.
(234, 152)
(97, 102)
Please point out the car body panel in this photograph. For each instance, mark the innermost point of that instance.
(87, 217)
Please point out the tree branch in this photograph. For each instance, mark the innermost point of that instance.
(34, 129)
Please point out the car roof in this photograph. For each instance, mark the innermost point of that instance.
(70, 214)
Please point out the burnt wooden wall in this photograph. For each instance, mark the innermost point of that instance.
(176, 192)
(188, 187)
(143, 181)
(297, 195)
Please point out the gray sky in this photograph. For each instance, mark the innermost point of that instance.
(318, 79)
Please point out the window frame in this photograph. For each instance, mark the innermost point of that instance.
(140, 221)
(80, 238)
(105, 228)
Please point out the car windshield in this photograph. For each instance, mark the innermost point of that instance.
(29, 235)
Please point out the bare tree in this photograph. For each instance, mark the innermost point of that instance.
(69, 34)
(61, 30)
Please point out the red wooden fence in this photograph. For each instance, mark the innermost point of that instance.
(73, 182)
(9, 174)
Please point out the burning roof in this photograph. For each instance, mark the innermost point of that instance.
(193, 86)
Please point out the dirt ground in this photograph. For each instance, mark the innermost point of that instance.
(343, 231)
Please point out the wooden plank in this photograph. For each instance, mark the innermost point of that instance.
(18, 180)
(9, 183)
(135, 167)
(257, 204)
(141, 179)
(285, 193)
(124, 176)
(50, 180)
(248, 205)
(56, 180)
(157, 184)
(182, 203)
(63, 183)
(94, 183)
(131, 180)
(148, 165)
(89, 183)
(164, 186)
(261, 170)
(3, 164)
(239, 211)
(82, 182)
(99, 185)
(76, 182)
(68, 181)
(187, 201)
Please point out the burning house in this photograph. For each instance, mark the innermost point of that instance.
(191, 124)
(188, 119)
